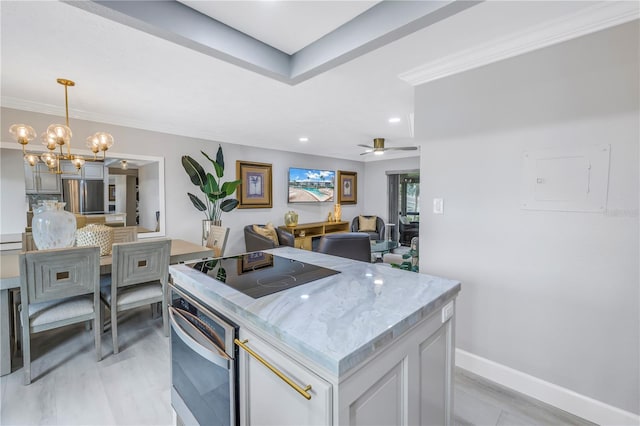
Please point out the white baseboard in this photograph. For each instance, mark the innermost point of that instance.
(562, 398)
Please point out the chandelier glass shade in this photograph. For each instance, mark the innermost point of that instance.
(55, 137)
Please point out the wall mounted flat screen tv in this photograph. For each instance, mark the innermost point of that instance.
(311, 185)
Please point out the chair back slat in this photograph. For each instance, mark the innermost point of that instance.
(140, 262)
(217, 240)
(59, 273)
(27, 242)
(125, 234)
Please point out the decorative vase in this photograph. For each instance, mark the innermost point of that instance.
(291, 218)
(52, 226)
(95, 234)
(337, 212)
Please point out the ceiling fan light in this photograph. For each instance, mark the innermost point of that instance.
(378, 152)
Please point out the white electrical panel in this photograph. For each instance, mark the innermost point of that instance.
(566, 179)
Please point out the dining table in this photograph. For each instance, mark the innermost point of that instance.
(181, 251)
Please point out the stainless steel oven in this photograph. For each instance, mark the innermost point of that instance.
(203, 363)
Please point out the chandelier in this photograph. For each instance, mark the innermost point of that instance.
(55, 137)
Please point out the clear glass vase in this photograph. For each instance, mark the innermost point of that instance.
(52, 226)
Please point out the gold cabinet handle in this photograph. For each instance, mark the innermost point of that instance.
(302, 391)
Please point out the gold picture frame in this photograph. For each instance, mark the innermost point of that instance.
(347, 187)
(256, 260)
(254, 191)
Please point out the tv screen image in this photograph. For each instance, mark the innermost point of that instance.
(311, 185)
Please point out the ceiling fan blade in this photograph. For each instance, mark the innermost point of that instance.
(403, 148)
(366, 152)
(365, 146)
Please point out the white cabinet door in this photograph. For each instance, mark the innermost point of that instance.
(266, 399)
(435, 388)
(38, 180)
(93, 170)
(69, 170)
(30, 179)
(48, 183)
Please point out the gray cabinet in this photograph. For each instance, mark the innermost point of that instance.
(94, 171)
(90, 171)
(38, 180)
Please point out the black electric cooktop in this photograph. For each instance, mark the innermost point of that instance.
(259, 274)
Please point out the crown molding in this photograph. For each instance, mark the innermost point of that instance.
(594, 18)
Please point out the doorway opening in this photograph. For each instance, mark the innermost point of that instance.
(404, 204)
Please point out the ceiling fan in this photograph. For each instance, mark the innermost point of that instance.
(379, 149)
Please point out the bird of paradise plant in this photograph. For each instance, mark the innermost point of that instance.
(215, 191)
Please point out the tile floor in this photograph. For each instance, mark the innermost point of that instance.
(132, 387)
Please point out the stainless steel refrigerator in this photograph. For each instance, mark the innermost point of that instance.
(83, 196)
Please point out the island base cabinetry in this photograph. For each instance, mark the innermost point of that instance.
(410, 382)
(266, 399)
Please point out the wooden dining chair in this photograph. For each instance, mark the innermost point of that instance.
(125, 234)
(27, 242)
(58, 287)
(217, 240)
(139, 276)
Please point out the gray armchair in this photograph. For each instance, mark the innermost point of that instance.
(408, 230)
(352, 245)
(256, 242)
(378, 234)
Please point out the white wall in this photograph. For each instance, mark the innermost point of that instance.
(148, 204)
(551, 294)
(376, 191)
(13, 205)
(182, 219)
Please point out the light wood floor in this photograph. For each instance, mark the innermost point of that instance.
(132, 387)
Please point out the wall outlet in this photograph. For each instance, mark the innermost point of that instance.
(438, 206)
(447, 311)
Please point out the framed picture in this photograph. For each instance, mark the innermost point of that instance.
(112, 192)
(347, 187)
(254, 191)
(256, 260)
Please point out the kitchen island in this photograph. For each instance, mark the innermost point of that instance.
(375, 344)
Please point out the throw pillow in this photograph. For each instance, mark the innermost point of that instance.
(367, 223)
(267, 231)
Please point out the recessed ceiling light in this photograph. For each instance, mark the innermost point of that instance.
(394, 120)
(304, 139)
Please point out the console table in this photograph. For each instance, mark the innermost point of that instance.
(304, 233)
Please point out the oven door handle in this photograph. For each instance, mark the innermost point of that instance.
(185, 331)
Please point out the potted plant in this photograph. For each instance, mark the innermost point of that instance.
(409, 259)
(215, 191)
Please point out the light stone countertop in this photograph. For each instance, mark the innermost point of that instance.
(337, 321)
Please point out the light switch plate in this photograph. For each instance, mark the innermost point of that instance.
(438, 206)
